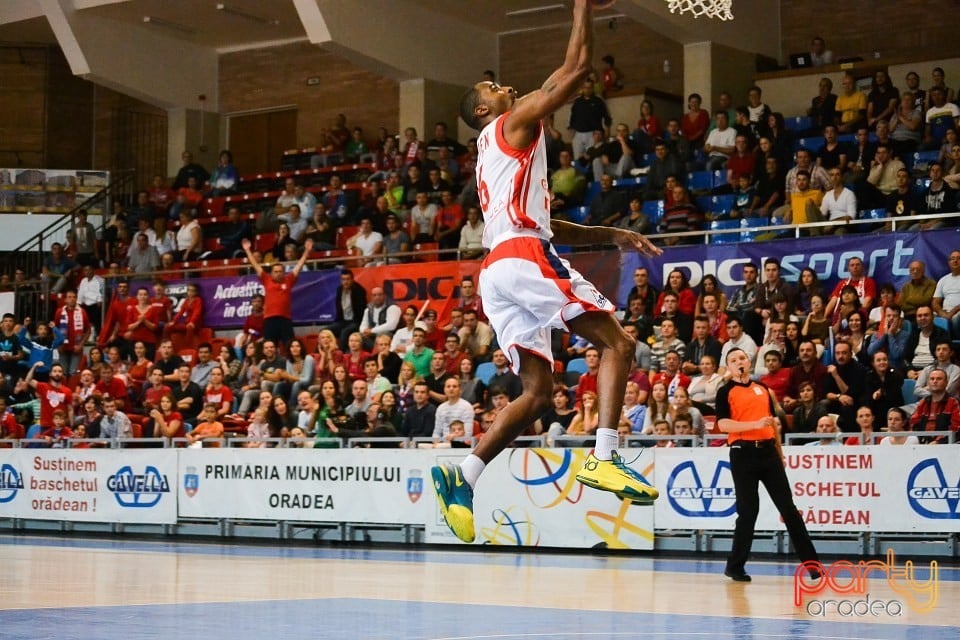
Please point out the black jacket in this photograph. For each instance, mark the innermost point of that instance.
(358, 298)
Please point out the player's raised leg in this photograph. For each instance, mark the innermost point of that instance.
(454, 483)
(604, 469)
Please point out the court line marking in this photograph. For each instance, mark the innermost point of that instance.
(607, 634)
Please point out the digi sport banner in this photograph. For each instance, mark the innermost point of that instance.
(886, 258)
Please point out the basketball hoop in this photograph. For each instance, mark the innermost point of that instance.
(720, 9)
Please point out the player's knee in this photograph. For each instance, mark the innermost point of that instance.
(626, 347)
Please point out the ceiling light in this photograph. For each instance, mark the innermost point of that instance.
(532, 10)
(222, 6)
(168, 24)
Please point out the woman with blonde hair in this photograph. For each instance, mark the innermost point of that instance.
(327, 355)
(587, 420)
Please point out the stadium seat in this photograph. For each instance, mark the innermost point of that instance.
(724, 238)
(188, 355)
(654, 211)
(344, 234)
(798, 123)
(718, 179)
(909, 391)
(943, 323)
(579, 214)
(571, 379)
(721, 204)
(811, 144)
(699, 181)
(704, 203)
(310, 341)
(873, 214)
(485, 371)
(577, 365)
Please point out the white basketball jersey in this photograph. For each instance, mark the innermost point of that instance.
(512, 186)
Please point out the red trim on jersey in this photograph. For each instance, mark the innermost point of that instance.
(509, 149)
(522, 179)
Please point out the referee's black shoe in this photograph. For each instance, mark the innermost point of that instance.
(737, 576)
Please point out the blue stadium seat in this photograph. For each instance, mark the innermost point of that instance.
(873, 214)
(943, 323)
(699, 181)
(579, 214)
(922, 183)
(847, 138)
(722, 204)
(798, 123)
(703, 203)
(752, 227)
(811, 144)
(654, 211)
(629, 182)
(724, 238)
(593, 190)
(485, 371)
(718, 179)
(919, 161)
(577, 365)
(909, 389)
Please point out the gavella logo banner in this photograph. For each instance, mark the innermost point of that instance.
(415, 485)
(11, 481)
(931, 494)
(690, 496)
(139, 490)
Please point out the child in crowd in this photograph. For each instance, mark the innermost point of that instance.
(209, 428)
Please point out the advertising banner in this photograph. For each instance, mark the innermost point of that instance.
(436, 284)
(306, 485)
(886, 257)
(226, 301)
(836, 488)
(530, 497)
(89, 485)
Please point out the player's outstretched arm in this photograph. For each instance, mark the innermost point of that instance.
(578, 234)
(562, 83)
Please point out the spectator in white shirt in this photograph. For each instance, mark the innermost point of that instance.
(368, 242)
(471, 235)
(90, 295)
(455, 408)
(839, 203)
(720, 143)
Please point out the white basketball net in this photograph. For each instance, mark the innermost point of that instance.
(710, 8)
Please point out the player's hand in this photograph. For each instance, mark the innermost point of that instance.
(632, 241)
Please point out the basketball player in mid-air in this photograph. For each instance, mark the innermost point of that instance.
(527, 289)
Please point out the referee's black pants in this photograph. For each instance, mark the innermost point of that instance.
(750, 465)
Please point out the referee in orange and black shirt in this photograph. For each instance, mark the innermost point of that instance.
(745, 411)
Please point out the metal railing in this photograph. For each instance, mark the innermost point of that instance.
(29, 255)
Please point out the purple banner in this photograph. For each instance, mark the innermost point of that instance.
(226, 301)
(886, 257)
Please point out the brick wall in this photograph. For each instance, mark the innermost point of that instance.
(22, 77)
(526, 59)
(274, 77)
(911, 29)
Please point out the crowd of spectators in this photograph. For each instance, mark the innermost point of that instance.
(379, 370)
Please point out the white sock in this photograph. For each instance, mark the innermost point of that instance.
(607, 441)
(471, 468)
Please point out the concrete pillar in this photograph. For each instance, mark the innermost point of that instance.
(424, 102)
(194, 131)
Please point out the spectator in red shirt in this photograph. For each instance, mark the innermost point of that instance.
(59, 431)
(165, 421)
(449, 221)
(778, 376)
(113, 325)
(865, 286)
(588, 380)
(53, 395)
(111, 385)
(188, 319)
(253, 325)
(469, 299)
(218, 393)
(142, 322)
(938, 411)
(153, 391)
(278, 287)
